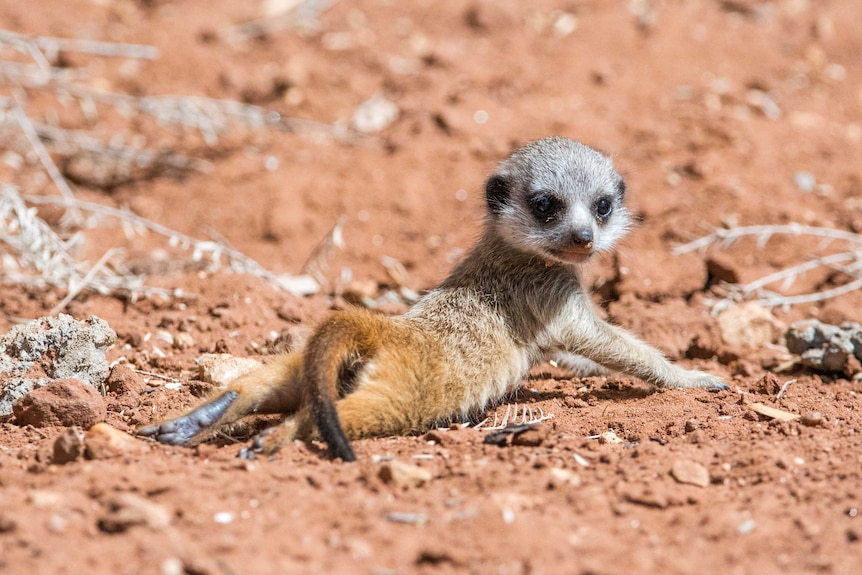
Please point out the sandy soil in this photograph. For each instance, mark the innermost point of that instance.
(675, 95)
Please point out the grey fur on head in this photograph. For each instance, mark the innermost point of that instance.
(559, 199)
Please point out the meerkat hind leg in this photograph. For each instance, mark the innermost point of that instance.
(271, 388)
(188, 426)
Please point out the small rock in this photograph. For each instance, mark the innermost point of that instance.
(51, 348)
(434, 436)
(560, 477)
(374, 115)
(805, 181)
(45, 499)
(183, 340)
(122, 379)
(812, 419)
(610, 438)
(723, 267)
(647, 495)
(749, 325)
(127, 509)
(104, 442)
(403, 474)
(7, 524)
(691, 472)
(532, 437)
(697, 437)
(691, 425)
(222, 368)
(767, 385)
(69, 446)
(61, 402)
(825, 347)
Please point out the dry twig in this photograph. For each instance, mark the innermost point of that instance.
(847, 262)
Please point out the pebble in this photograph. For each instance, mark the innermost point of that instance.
(104, 442)
(126, 510)
(434, 436)
(183, 340)
(222, 368)
(68, 447)
(812, 419)
(403, 474)
(610, 438)
(560, 477)
(374, 115)
(532, 437)
(223, 517)
(691, 425)
(691, 472)
(63, 402)
(122, 379)
(647, 495)
(805, 181)
(581, 460)
(749, 325)
(400, 517)
(7, 524)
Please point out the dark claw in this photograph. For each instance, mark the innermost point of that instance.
(184, 428)
(255, 447)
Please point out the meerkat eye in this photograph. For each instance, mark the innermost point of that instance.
(604, 207)
(545, 207)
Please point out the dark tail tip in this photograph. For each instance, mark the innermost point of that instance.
(330, 430)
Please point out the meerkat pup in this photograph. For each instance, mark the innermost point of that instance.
(515, 299)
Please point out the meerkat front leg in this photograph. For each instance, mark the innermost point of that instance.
(272, 388)
(619, 350)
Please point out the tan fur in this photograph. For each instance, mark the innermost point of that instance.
(471, 340)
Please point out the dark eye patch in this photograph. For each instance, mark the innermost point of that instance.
(545, 206)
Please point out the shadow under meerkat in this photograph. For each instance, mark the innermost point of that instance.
(515, 299)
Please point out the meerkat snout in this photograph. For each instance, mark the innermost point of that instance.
(583, 238)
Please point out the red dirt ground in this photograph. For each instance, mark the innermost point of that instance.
(672, 96)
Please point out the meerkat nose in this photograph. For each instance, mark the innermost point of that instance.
(582, 237)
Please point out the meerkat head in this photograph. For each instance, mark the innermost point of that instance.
(558, 199)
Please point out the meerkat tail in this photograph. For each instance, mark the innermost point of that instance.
(272, 388)
(334, 355)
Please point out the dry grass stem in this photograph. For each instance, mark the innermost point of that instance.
(31, 251)
(847, 262)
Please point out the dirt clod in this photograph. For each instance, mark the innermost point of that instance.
(69, 446)
(126, 510)
(103, 441)
(691, 472)
(401, 474)
(61, 402)
(812, 419)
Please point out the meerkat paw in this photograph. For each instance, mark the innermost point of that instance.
(693, 378)
(269, 441)
(183, 429)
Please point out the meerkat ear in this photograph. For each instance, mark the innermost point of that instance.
(497, 192)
